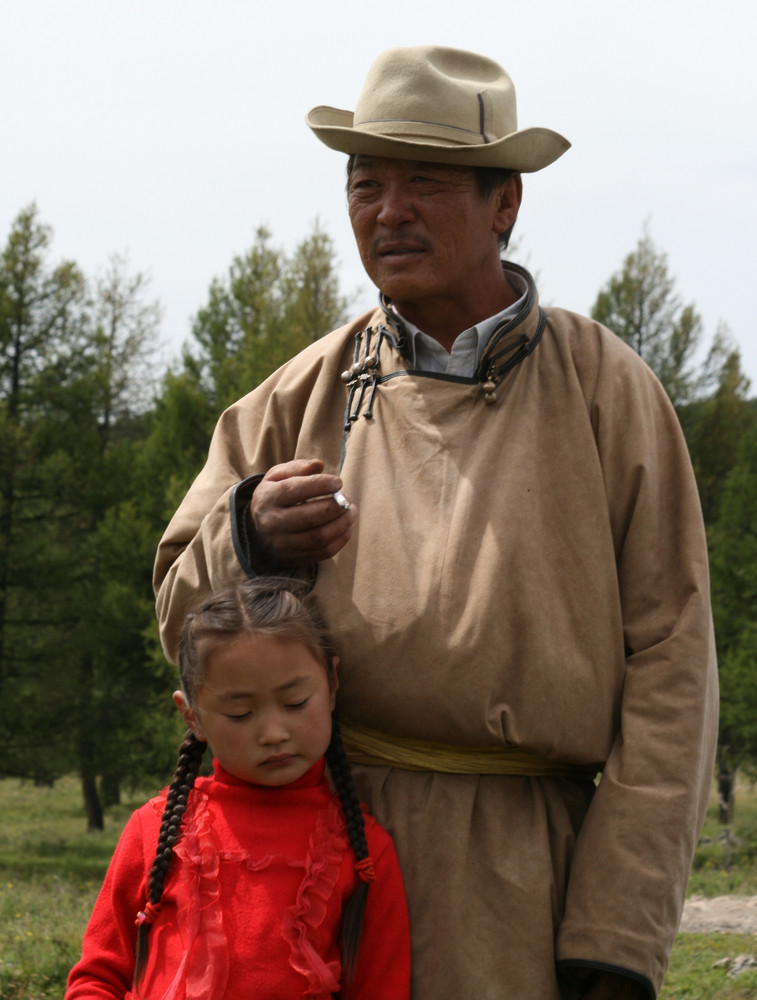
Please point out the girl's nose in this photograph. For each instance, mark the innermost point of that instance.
(272, 729)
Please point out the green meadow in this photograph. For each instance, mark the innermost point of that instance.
(51, 870)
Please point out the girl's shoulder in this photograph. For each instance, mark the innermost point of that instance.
(378, 838)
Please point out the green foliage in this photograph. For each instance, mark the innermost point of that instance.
(714, 429)
(738, 698)
(733, 543)
(733, 563)
(92, 466)
(639, 304)
(42, 339)
(178, 432)
(267, 309)
(75, 552)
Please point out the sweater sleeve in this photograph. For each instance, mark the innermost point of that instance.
(383, 966)
(106, 967)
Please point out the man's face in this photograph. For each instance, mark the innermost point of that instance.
(423, 230)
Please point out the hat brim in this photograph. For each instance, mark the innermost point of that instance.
(526, 150)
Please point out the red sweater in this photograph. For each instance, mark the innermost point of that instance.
(252, 903)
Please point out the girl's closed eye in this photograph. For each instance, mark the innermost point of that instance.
(238, 718)
(299, 704)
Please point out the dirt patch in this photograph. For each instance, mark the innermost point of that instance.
(720, 913)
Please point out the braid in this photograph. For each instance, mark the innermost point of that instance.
(187, 768)
(354, 909)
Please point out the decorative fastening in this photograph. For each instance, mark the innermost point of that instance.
(489, 389)
(363, 374)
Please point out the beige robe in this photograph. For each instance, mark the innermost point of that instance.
(530, 573)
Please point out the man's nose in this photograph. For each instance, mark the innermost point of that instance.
(396, 206)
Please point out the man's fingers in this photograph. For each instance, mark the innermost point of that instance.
(297, 467)
(313, 541)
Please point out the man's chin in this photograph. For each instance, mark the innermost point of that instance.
(402, 287)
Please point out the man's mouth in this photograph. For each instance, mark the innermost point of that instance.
(387, 249)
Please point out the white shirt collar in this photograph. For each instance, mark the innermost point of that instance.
(428, 354)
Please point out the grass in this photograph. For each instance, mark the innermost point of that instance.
(697, 972)
(51, 870)
(720, 869)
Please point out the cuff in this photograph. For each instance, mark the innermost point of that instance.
(579, 975)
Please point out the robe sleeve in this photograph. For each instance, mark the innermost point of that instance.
(106, 967)
(383, 965)
(201, 548)
(205, 547)
(633, 855)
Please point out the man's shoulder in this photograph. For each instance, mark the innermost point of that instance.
(588, 340)
(604, 364)
(334, 342)
(323, 357)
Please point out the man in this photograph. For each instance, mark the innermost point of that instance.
(522, 601)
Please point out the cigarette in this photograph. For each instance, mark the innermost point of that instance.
(342, 500)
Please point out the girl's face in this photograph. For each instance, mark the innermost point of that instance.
(264, 707)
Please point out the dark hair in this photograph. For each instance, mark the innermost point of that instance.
(190, 757)
(265, 606)
(488, 178)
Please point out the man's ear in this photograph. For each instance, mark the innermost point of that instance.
(508, 198)
(189, 715)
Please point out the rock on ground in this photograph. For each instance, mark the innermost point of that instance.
(702, 915)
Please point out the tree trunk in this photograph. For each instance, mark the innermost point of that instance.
(87, 751)
(92, 804)
(110, 789)
(726, 791)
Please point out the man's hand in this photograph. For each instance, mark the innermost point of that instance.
(295, 520)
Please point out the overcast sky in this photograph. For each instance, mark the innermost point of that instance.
(168, 130)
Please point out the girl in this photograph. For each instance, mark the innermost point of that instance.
(253, 882)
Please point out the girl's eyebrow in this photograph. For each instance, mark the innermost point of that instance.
(239, 695)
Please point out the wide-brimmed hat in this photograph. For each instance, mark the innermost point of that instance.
(438, 104)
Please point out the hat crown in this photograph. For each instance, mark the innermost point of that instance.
(443, 105)
(438, 88)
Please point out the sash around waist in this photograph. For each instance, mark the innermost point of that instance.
(368, 746)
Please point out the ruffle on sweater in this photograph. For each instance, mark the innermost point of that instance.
(204, 970)
(323, 863)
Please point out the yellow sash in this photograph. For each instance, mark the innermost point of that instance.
(367, 746)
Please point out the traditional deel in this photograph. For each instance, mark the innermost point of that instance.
(528, 570)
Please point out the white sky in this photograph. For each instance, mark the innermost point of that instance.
(168, 130)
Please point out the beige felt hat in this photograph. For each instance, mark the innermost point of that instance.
(441, 105)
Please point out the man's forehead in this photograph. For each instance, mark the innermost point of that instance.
(368, 161)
